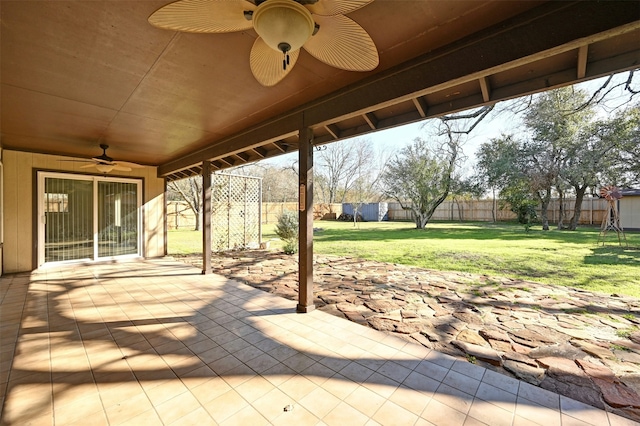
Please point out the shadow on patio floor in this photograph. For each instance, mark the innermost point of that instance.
(580, 344)
(157, 343)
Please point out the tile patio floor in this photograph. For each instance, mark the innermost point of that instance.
(155, 342)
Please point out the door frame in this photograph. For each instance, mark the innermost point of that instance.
(40, 216)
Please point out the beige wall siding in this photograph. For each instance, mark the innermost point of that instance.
(154, 217)
(630, 212)
(18, 205)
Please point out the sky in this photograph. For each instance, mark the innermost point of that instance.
(394, 139)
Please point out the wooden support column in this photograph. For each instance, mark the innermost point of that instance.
(305, 236)
(206, 217)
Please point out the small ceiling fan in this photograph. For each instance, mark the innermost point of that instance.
(283, 27)
(105, 164)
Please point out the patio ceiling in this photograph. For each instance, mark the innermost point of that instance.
(79, 73)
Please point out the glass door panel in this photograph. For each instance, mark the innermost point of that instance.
(117, 218)
(68, 211)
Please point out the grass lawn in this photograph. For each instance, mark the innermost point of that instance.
(566, 258)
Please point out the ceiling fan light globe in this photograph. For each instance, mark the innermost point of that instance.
(104, 168)
(283, 22)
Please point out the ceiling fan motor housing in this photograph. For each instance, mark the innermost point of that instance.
(104, 157)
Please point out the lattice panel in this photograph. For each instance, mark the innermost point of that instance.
(235, 212)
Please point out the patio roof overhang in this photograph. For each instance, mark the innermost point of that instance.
(501, 63)
(76, 74)
(79, 73)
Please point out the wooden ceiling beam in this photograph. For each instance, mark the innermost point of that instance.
(334, 130)
(280, 146)
(260, 152)
(371, 120)
(485, 54)
(269, 132)
(243, 156)
(227, 162)
(583, 53)
(421, 106)
(485, 88)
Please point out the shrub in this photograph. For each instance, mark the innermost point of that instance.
(287, 230)
(290, 247)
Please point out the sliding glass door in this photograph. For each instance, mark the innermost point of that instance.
(117, 219)
(87, 218)
(68, 216)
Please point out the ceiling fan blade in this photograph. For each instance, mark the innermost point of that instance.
(336, 7)
(88, 166)
(203, 16)
(121, 168)
(101, 160)
(343, 43)
(128, 164)
(266, 64)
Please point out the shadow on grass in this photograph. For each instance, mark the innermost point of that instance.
(613, 255)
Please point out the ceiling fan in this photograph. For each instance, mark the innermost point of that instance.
(283, 27)
(105, 164)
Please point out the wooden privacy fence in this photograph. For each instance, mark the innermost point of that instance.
(271, 211)
(180, 216)
(593, 211)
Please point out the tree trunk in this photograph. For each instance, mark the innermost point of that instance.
(460, 209)
(493, 206)
(545, 216)
(561, 209)
(544, 210)
(577, 209)
(421, 220)
(355, 215)
(198, 220)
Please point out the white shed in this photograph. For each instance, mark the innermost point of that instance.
(629, 208)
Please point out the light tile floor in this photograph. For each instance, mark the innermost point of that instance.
(155, 342)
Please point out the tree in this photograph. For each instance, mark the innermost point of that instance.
(337, 167)
(279, 184)
(190, 191)
(580, 150)
(501, 165)
(629, 161)
(557, 119)
(420, 176)
(567, 150)
(625, 169)
(366, 186)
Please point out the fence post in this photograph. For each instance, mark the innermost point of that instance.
(176, 211)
